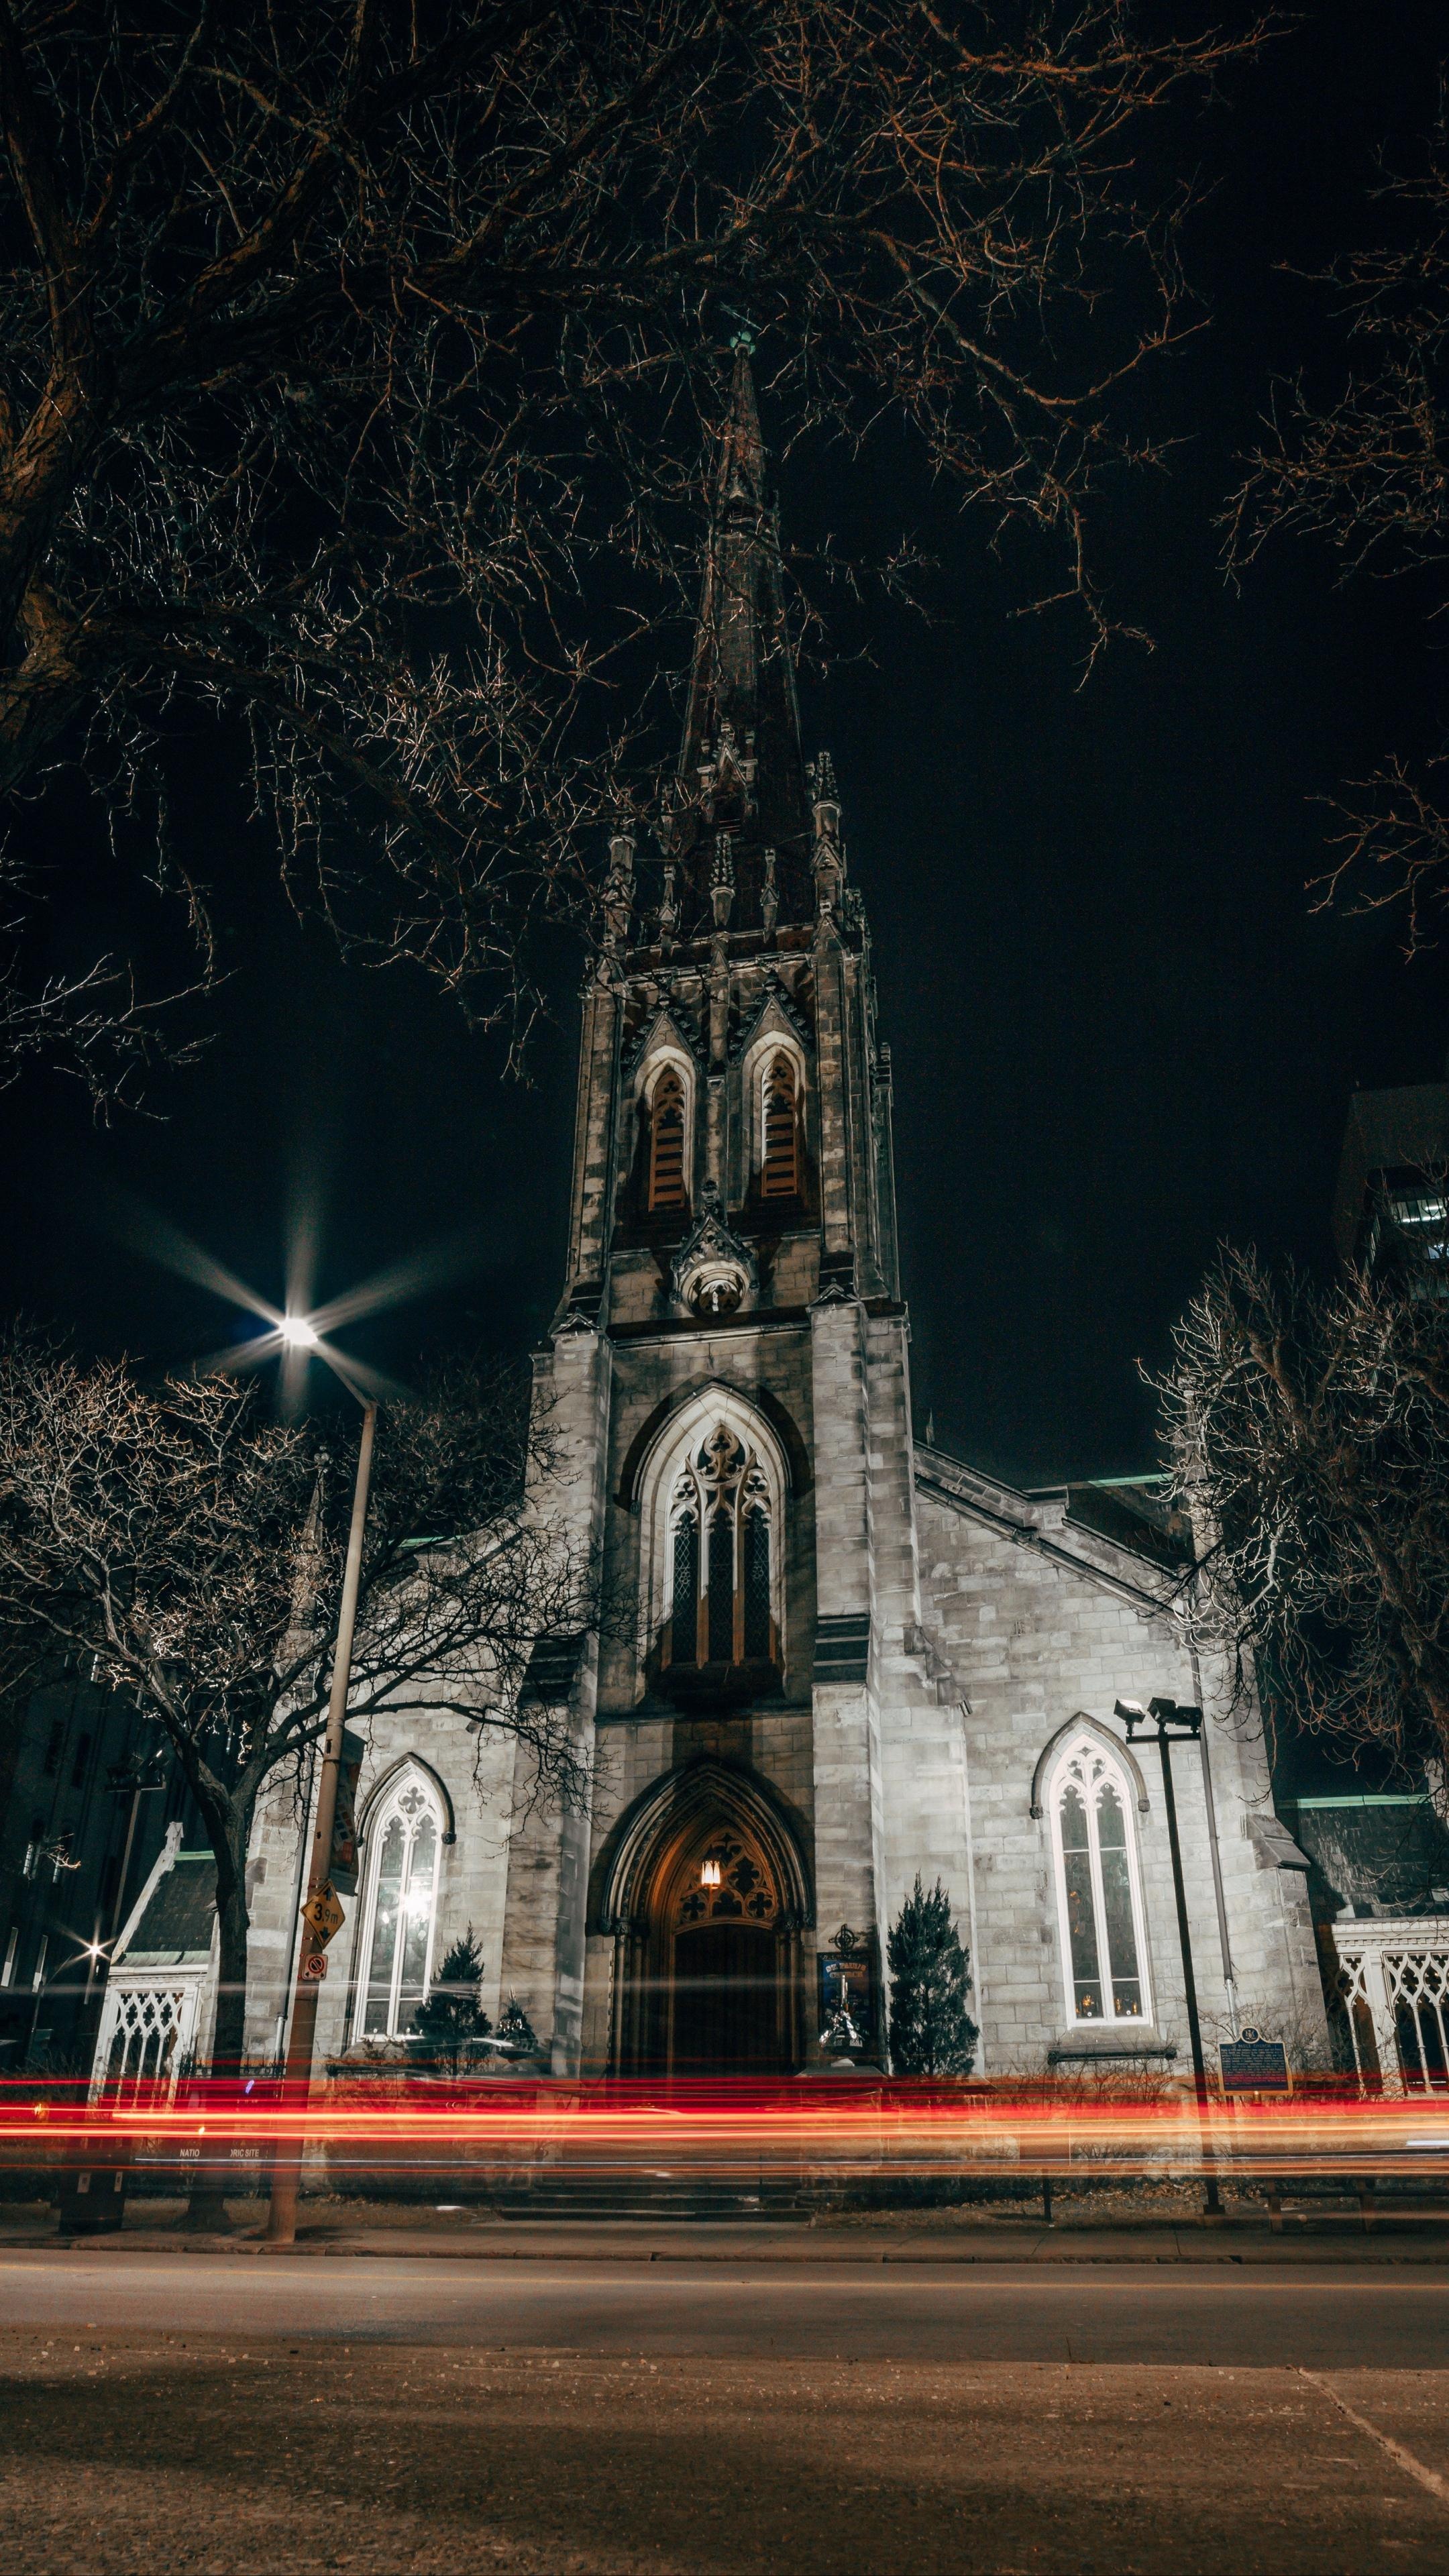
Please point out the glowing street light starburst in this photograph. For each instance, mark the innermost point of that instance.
(300, 1332)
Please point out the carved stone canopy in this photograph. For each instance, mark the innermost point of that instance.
(776, 1006)
(714, 1273)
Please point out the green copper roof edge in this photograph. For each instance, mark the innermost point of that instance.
(1365, 1798)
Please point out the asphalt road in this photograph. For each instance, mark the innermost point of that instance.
(231, 2415)
(1334, 2317)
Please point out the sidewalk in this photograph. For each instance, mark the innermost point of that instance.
(371, 2232)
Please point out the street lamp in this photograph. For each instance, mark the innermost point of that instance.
(297, 1334)
(300, 1337)
(1177, 1725)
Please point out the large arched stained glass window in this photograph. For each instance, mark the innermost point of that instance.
(721, 1593)
(1099, 1892)
(400, 1903)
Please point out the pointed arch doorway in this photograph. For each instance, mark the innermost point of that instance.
(703, 1887)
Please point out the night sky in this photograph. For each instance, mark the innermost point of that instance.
(1119, 1034)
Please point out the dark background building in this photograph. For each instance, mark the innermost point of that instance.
(84, 1805)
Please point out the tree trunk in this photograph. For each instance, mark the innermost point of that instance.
(228, 2046)
(206, 2207)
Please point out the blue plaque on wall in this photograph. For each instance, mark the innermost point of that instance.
(1252, 2064)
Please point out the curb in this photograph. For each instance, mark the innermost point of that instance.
(1266, 2258)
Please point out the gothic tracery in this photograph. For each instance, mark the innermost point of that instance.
(720, 1515)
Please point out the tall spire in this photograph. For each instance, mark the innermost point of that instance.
(740, 476)
(741, 769)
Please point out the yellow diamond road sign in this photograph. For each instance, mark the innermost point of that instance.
(324, 1912)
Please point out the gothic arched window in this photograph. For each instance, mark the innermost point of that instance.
(1099, 1893)
(399, 1906)
(721, 1594)
(666, 1140)
(780, 1130)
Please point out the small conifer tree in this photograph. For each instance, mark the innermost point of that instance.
(452, 2017)
(931, 2031)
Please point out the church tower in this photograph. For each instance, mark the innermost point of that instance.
(829, 1660)
(726, 1388)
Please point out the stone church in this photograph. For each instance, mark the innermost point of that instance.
(854, 1658)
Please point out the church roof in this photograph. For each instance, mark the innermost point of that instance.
(741, 789)
(177, 1923)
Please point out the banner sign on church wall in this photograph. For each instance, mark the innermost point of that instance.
(343, 1869)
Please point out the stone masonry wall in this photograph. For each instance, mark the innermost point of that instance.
(548, 1847)
(1020, 1646)
(925, 1793)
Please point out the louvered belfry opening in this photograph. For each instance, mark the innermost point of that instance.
(666, 1142)
(721, 1613)
(780, 1157)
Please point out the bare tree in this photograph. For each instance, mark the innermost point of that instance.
(94, 1024)
(354, 364)
(1308, 1429)
(189, 1552)
(1366, 467)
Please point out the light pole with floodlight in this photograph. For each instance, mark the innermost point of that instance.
(1178, 1726)
(296, 1336)
(299, 1335)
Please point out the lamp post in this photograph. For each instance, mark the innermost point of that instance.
(299, 1337)
(1178, 1726)
(312, 1949)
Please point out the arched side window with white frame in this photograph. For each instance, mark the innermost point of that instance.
(399, 1905)
(1099, 1885)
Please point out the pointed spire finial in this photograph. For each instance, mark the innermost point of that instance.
(742, 449)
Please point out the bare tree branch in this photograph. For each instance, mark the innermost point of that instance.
(92, 1025)
(190, 1553)
(1309, 1434)
(1366, 469)
(356, 366)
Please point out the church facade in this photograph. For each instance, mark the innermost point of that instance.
(847, 1659)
